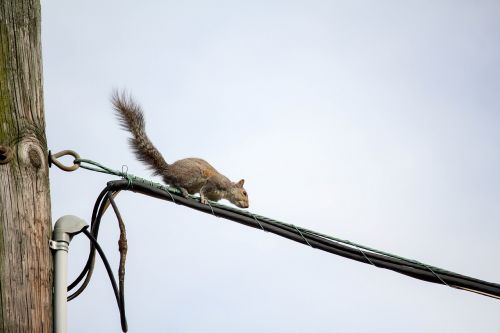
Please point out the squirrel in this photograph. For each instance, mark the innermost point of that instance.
(189, 175)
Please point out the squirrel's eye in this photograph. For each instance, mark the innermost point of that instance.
(244, 193)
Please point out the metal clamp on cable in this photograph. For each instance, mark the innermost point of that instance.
(58, 245)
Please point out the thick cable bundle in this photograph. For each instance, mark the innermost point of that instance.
(316, 240)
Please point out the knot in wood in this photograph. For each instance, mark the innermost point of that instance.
(35, 158)
(5, 154)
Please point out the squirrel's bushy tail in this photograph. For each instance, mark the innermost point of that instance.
(132, 119)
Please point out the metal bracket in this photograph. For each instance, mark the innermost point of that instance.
(58, 245)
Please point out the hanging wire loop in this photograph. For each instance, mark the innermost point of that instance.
(53, 158)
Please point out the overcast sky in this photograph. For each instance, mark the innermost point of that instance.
(373, 121)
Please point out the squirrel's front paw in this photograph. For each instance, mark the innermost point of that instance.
(204, 200)
(184, 192)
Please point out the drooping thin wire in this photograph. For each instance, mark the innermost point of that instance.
(111, 278)
(122, 246)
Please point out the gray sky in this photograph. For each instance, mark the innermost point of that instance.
(377, 122)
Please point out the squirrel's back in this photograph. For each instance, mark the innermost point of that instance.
(189, 175)
(131, 119)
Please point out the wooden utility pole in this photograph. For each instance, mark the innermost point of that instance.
(25, 224)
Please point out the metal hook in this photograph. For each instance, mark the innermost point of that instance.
(53, 158)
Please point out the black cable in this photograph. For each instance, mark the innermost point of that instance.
(97, 208)
(98, 212)
(315, 240)
(401, 265)
(100, 207)
(121, 308)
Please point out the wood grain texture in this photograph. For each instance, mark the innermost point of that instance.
(25, 225)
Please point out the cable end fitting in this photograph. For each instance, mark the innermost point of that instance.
(66, 227)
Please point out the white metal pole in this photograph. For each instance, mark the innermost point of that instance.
(64, 230)
(60, 287)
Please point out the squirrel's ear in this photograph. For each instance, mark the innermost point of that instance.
(240, 183)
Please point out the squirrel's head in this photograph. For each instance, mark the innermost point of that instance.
(237, 195)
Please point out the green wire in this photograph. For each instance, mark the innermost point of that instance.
(97, 167)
